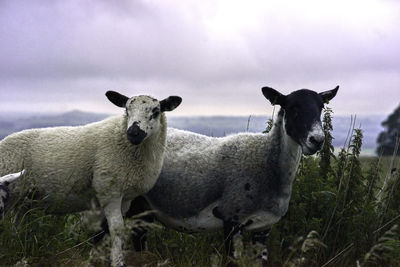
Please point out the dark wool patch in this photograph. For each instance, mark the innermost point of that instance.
(247, 187)
(217, 214)
(249, 222)
(6, 190)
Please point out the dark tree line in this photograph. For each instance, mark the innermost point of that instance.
(390, 136)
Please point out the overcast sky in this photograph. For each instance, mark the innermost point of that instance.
(63, 55)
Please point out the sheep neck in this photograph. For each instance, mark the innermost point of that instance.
(283, 155)
(147, 158)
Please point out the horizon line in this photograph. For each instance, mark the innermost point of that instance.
(55, 113)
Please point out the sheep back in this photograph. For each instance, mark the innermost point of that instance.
(72, 165)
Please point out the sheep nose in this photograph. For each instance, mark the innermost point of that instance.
(134, 130)
(135, 134)
(317, 141)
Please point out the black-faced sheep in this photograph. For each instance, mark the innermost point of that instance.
(242, 181)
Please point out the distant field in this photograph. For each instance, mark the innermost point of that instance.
(384, 162)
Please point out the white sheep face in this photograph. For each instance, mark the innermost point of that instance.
(143, 114)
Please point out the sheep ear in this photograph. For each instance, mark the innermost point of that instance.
(170, 103)
(328, 95)
(117, 99)
(273, 96)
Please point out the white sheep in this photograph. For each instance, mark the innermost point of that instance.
(108, 162)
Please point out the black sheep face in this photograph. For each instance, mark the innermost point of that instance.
(302, 115)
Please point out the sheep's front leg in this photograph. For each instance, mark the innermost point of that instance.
(112, 211)
(231, 230)
(138, 234)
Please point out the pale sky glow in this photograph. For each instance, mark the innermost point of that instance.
(216, 54)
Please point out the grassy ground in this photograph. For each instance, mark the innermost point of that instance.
(38, 239)
(30, 237)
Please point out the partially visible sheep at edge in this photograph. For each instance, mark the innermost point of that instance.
(108, 162)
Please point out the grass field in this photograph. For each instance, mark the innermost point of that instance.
(344, 211)
(31, 237)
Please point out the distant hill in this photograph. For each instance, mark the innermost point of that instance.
(18, 122)
(211, 125)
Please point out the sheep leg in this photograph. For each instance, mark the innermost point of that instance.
(260, 239)
(230, 230)
(113, 213)
(132, 208)
(139, 234)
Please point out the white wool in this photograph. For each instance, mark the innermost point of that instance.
(68, 163)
